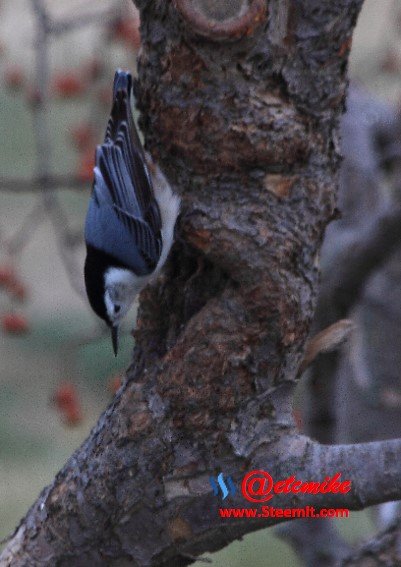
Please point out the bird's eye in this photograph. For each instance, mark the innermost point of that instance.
(117, 308)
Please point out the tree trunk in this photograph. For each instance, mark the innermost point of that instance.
(240, 105)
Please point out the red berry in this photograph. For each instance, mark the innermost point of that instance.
(126, 30)
(14, 77)
(7, 276)
(14, 324)
(115, 383)
(86, 165)
(66, 400)
(65, 395)
(68, 84)
(72, 416)
(83, 136)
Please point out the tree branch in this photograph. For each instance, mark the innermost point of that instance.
(367, 249)
(71, 24)
(187, 496)
(53, 182)
(316, 542)
(384, 549)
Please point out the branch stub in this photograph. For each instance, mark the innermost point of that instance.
(222, 20)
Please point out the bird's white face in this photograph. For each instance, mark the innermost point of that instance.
(121, 288)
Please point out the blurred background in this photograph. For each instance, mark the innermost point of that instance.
(57, 371)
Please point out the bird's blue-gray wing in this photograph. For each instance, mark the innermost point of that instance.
(123, 219)
(121, 133)
(117, 231)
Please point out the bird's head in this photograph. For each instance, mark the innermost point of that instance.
(120, 290)
(111, 291)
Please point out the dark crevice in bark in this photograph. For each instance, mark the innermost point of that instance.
(193, 280)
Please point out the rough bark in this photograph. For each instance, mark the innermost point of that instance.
(243, 117)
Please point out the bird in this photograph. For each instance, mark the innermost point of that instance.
(132, 212)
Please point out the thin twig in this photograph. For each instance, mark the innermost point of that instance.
(32, 221)
(50, 183)
(82, 20)
(50, 200)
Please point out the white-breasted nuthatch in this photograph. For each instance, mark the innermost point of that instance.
(129, 226)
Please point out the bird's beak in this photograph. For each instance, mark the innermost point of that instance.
(114, 339)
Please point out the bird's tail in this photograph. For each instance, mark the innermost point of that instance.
(122, 82)
(121, 111)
